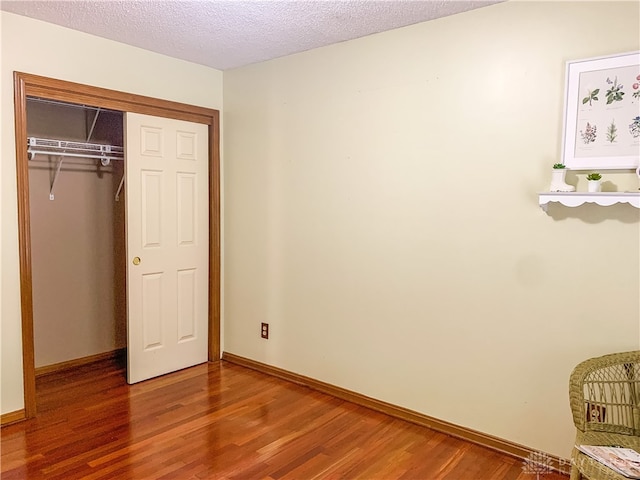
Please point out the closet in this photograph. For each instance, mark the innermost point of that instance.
(86, 288)
(76, 171)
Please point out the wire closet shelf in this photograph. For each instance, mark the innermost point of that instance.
(63, 148)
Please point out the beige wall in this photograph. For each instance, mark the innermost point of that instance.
(45, 49)
(75, 240)
(381, 215)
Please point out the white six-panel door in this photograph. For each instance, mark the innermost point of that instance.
(167, 216)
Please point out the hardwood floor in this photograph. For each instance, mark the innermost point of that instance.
(221, 420)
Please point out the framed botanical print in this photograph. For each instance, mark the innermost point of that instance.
(602, 113)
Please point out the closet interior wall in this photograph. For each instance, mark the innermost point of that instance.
(77, 239)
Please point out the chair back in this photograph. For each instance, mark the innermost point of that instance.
(604, 393)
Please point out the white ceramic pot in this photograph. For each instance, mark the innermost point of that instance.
(594, 186)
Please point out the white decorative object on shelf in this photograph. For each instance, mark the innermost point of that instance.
(594, 186)
(575, 199)
(594, 182)
(557, 181)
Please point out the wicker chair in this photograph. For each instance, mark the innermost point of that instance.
(605, 401)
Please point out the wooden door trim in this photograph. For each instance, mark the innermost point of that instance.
(25, 85)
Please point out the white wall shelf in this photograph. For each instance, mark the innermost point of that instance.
(575, 199)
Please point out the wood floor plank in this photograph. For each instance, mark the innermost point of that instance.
(220, 420)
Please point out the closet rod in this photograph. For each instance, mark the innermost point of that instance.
(71, 154)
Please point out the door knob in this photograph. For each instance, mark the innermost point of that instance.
(136, 260)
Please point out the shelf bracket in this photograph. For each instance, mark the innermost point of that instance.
(55, 177)
(93, 125)
(120, 188)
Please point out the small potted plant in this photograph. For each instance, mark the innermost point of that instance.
(594, 182)
(557, 179)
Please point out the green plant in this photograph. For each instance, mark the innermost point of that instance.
(612, 132)
(593, 95)
(594, 176)
(615, 93)
(558, 166)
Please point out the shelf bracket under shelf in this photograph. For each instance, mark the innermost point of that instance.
(120, 188)
(55, 177)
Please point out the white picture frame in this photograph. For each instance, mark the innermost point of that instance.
(602, 113)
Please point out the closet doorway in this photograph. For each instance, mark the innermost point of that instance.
(77, 221)
(46, 89)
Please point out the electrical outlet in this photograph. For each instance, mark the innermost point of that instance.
(265, 330)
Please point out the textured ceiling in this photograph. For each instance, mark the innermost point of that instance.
(226, 34)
